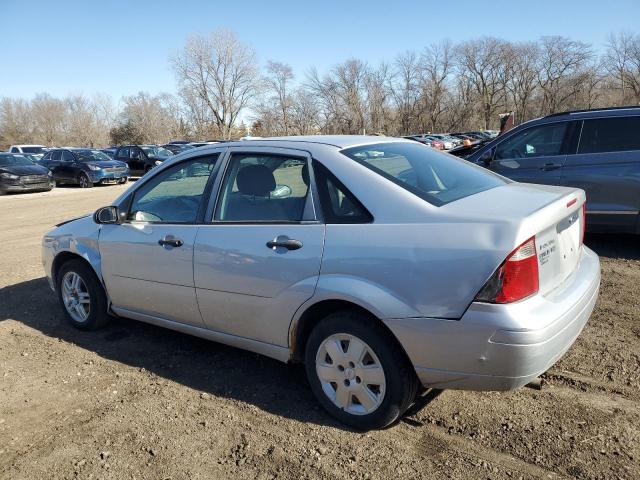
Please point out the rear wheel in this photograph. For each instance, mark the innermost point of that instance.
(81, 296)
(85, 181)
(359, 374)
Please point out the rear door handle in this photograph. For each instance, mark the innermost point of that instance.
(550, 166)
(285, 242)
(171, 241)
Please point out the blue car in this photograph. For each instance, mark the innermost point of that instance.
(595, 150)
(84, 167)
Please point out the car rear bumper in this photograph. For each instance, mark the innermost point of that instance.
(501, 347)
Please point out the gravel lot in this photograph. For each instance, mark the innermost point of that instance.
(136, 401)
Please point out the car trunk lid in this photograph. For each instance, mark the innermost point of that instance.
(552, 215)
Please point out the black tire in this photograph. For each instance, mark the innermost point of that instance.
(401, 381)
(98, 312)
(122, 181)
(85, 181)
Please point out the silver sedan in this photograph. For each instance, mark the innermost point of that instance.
(383, 265)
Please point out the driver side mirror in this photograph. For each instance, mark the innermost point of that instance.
(107, 215)
(487, 157)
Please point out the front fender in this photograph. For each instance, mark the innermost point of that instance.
(78, 237)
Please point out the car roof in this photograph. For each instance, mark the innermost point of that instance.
(339, 141)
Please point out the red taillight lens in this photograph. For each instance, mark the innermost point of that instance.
(517, 277)
(584, 222)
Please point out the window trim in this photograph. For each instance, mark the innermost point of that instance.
(312, 196)
(127, 202)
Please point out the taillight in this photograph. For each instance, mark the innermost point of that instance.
(517, 277)
(584, 222)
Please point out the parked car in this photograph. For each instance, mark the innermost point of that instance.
(435, 142)
(142, 158)
(84, 166)
(384, 266)
(595, 150)
(177, 148)
(19, 174)
(447, 142)
(36, 149)
(420, 139)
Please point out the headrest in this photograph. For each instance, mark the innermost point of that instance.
(305, 174)
(255, 180)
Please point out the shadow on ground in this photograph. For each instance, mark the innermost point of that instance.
(196, 363)
(614, 246)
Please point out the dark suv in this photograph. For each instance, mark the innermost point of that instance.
(84, 166)
(142, 158)
(596, 150)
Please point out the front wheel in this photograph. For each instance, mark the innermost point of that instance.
(85, 181)
(122, 181)
(81, 296)
(359, 374)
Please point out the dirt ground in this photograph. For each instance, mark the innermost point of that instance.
(134, 401)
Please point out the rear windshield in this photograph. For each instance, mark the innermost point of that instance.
(33, 149)
(435, 177)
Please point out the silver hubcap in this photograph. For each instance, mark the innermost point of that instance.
(83, 181)
(350, 374)
(76, 297)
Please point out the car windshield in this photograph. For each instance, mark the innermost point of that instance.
(156, 152)
(435, 177)
(33, 149)
(11, 160)
(91, 156)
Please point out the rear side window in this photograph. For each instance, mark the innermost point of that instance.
(610, 135)
(435, 177)
(339, 205)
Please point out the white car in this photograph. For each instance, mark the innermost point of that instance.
(33, 149)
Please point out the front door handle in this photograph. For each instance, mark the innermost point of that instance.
(550, 166)
(171, 241)
(285, 242)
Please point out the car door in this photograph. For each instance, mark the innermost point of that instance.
(533, 155)
(147, 261)
(137, 159)
(122, 155)
(258, 258)
(606, 166)
(68, 166)
(54, 164)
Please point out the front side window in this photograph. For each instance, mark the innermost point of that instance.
(433, 176)
(157, 152)
(174, 194)
(610, 135)
(264, 188)
(542, 141)
(67, 156)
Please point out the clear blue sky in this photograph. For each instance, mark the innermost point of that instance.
(121, 47)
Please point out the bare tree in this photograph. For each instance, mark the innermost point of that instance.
(221, 71)
(278, 80)
(482, 61)
(436, 63)
(522, 61)
(622, 60)
(561, 60)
